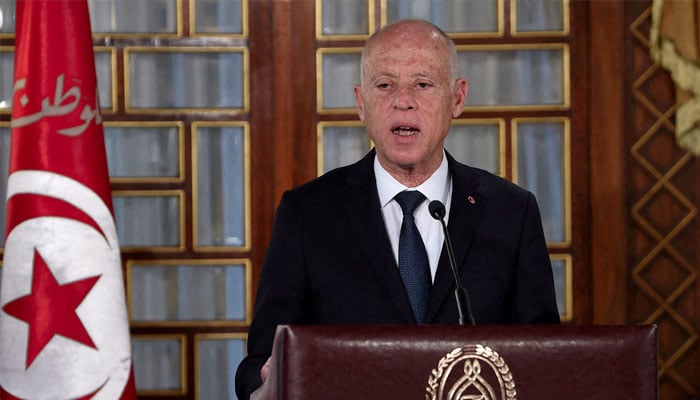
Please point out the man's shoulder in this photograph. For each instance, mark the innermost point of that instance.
(339, 179)
(473, 178)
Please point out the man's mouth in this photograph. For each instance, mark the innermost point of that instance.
(405, 130)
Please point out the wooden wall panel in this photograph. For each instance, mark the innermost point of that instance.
(644, 196)
(662, 201)
(608, 222)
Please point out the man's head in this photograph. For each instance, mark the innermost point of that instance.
(408, 96)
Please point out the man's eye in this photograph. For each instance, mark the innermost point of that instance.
(423, 85)
(382, 85)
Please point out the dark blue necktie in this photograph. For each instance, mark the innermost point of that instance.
(413, 259)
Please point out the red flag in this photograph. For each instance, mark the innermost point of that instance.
(64, 330)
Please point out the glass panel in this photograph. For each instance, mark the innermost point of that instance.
(186, 79)
(217, 360)
(147, 220)
(157, 364)
(7, 70)
(560, 287)
(221, 177)
(343, 145)
(133, 16)
(4, 171)
(341, 71)
(476, 145)
(143, 151)
(218, 16)
(188, 293)
(343, 17)
(7, 16)
(513, 77)
(539, 15)
(452, 16)
(540, 170)
(103, 69)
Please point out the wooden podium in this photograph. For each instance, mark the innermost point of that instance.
(543, 362)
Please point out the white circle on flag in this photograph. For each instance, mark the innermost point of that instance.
(72, 250)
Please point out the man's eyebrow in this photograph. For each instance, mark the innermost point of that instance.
(420, 75)
(393, 75)
(385, 75)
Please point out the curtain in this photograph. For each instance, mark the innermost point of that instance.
(675, 45)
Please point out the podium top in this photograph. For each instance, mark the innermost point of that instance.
(457, 362)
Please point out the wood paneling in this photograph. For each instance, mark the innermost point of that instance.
(662, 201)
(608, 222)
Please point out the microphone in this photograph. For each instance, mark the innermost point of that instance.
(437, 211)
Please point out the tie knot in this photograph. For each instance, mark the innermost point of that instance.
(409, 200)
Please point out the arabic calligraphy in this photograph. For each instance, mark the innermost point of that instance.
(64, 103)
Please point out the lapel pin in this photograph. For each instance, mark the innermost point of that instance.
(471, 199)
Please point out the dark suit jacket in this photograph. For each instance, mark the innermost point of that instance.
(329, 260)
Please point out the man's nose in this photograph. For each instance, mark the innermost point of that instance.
(404, 98)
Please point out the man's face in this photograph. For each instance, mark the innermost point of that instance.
(407, 99)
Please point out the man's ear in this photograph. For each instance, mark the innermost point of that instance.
(359, 102)
(460, 97)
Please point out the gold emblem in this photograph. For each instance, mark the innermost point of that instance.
(472, 372)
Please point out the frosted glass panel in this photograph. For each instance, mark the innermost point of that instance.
(560, 287)
(186, 79)
(142, 151)
(514, 77)
(220, 190)
(452, 16)
(343, 17)
(539, 15)
(541, 170)
(475, 145)
(7, 16)
(157, 364)
(218, 16)
(103, 69)
(113, 16)
(4, 170)
(188, 293)
(217, 360)
(343, 145)
(147, 220)
(133, 16)
(341, 71)
(7, 68)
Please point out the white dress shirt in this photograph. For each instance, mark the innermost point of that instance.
(437, 187)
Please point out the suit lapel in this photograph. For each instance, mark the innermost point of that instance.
(365, 217)
(466, 209)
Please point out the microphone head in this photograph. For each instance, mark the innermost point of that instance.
(437, 209)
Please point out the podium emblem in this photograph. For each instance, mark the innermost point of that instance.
(471, 372)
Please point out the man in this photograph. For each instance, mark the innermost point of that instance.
(335, 255)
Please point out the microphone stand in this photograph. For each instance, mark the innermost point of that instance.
(437, 211)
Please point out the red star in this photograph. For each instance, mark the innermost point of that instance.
(50, 309)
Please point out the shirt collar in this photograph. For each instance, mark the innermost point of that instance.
(434, 188)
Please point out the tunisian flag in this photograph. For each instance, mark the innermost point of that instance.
(64, 330)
